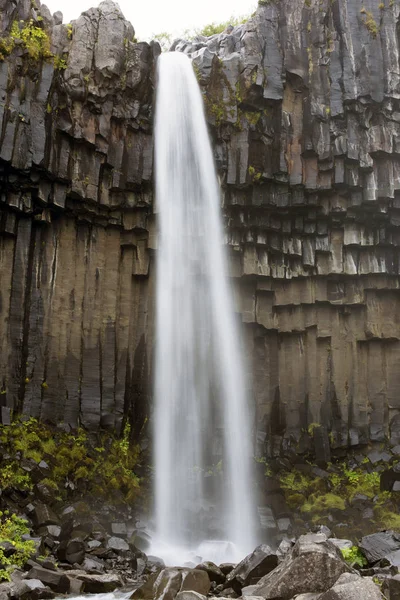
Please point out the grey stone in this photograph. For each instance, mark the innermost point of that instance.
(376, 456)
(119, 529)
(117, 544)
(313, 565)
(214, 573)
(254, 566)
(100, 584)
(189, 595)
(341, 544)
(354, 589)
(379, 545)
(56, 580)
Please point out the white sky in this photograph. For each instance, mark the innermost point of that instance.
(154, 16)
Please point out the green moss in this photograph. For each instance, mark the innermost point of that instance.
(327, 502)
(69, 30)
(252, 117)
(387, 518)
(295, 501)
(312, 427)
(103, 471)
(294, 481)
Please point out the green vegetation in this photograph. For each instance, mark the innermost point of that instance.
(354, 556)
(214, 28)
(69, 30)
(60, 62)
(107, 470)
(254, 174)
(164, 39)
(370, 22)
(327, 502)
(12, 528)
(314, 498)
(35, 40)
(33, 37)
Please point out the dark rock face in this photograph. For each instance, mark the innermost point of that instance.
(75, 211)
(303, 106)
(385, 545)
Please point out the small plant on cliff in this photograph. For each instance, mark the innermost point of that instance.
(60, 62)
(354, 556)
(370, 22)
(34, 39)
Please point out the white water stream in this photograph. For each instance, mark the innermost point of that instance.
(203, 487)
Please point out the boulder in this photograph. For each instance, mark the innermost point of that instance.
(313, 566)
(93, 565)
(190, 596)
(307, 597)
(391, 587)
(154, 563)
(117, 544)
(145, 592)
(171, 581)
(119, 529)
(56, 580)
(100, 584)
(226, 568)
(214, 573)
(43, 515)
(72, 551)
(381, 545)
(168, 584)
(250, 570)
(31, 589)
(353, 587)
(195, 580)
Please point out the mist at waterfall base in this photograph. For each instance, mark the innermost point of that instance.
(204, 507)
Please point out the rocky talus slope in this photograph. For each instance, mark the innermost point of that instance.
(303, 103)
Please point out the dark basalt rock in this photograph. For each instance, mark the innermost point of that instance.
(56, 580)
(31, 589)
(382, 545)
(214, 572)
(99, 584)
(72, 551)
(250, 570)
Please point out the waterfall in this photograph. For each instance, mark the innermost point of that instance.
(203, 488)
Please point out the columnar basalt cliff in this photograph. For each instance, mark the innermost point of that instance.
(303, 103)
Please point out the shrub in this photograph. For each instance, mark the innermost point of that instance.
(12, 528)
(354, 556)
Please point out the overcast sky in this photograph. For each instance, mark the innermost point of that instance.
(155, 16)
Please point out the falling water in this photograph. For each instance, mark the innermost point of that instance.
(202, 434)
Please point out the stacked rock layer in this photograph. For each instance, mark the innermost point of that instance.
(303, 103)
